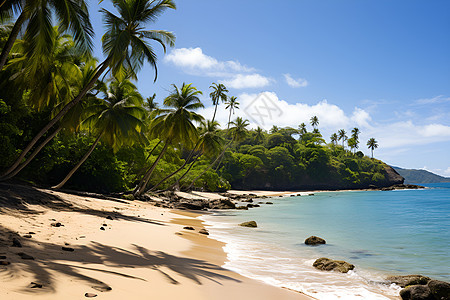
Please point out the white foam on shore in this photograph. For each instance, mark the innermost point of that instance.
(282, 267)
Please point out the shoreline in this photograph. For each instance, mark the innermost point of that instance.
(141, 252)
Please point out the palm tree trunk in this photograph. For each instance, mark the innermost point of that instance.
(148, 156)
(61, 184)
(12, 38)
(179, 169)
(65, 109)
(185, 173)
(35, 152)
(215, 110)
(140, 189)
(209, 167)
(229, 119)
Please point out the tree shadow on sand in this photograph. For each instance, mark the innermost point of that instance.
(19, 198)
(50, 261)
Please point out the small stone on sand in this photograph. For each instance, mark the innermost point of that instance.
(25, 256)
(90, 295)
(36, 285)
(102, 228)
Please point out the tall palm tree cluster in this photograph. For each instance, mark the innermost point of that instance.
(54, 66)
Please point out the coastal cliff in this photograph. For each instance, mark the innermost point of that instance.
(329, 179)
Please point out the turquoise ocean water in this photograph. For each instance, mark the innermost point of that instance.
(381, 232)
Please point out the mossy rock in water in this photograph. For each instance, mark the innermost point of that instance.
(417, 292)
(314, 240)
(249, 224)
(439, 289)
(327, 264)
(406, 280)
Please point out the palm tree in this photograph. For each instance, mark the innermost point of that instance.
(117, 120)
(372, 144)
(355, 135)
(150, 104)
(209, 143)
(175, 124)
(314, 121)
(238, 132)
(71, 121)
(259, 135)
(57, 75)
(302, 129)
(218, 94)
(72, 16)
(232, 104)
(342, 135)
(334, 138)
(352, 143)
(125, 46)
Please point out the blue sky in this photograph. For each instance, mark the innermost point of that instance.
(382, 66)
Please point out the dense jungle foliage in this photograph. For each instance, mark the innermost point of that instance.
(67, 119)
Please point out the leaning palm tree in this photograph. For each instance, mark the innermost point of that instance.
(372, 144)
(232, 104)
(117, 120)
(238, 132)
(342, 135)
(218, 94)
(209, 143)
(72, 120)
(126, 47)
(72, 16)
(175, 124)
(314, 121)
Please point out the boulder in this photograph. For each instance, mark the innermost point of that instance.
(439, 289)
(416, 292)
(327, 264)
(249, 224)
(203, 231)
(269, 202)
(222, 204)
(314, 240)
(242, 207)
(406, 280)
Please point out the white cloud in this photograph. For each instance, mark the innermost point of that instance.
(242, 81)
(295, 83)
(437, 99)
(194, 61)
(406, 133)
(282, 114)
(447, 172)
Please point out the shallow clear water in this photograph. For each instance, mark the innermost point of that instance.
(381, 232)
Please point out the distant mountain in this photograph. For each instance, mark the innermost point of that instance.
(420, 176)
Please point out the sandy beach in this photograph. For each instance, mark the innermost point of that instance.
(75, 247)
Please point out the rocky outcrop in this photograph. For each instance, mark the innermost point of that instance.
(416, 292)
(222, 204)
(406, 280)
(327, 264)
(439, 289)
(314, 240)
(249, 224)
(392, 176)
(418, 287)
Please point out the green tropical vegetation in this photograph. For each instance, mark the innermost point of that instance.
(68, 120)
